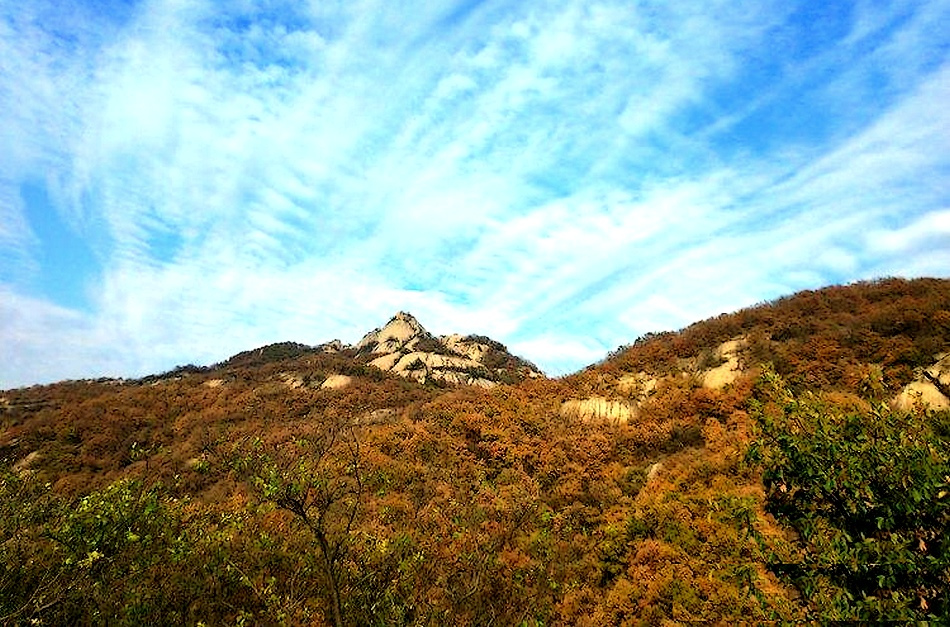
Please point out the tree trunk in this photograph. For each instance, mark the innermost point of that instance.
(329, 566)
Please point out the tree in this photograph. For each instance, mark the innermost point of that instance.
(867, 494)
(319, 481)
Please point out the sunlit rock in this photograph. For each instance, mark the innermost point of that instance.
(334, 346)
(336, 381)
(461, 345)
(598, 409)
(640, 385)
(405, 348)
(931, 388)
(727, 372)
(402, 332)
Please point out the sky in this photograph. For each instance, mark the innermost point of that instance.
(181, 180)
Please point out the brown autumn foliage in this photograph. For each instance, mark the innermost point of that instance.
(474, 506)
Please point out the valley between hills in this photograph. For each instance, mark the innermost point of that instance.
(787, 462)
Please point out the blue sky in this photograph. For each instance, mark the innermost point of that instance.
(185, 179)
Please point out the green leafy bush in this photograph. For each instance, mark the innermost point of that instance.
(867, 494)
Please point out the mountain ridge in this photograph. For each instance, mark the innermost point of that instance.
(401, 346)
(628, 492)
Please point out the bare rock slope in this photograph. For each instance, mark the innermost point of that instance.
(931, 387)
(404, 347)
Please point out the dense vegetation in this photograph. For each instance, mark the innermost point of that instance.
(227, 495)
(867, 491)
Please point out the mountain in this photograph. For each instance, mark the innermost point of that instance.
(405, 348)
(788, 462)
(402, 346)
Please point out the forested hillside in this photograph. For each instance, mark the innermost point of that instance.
(787, 462)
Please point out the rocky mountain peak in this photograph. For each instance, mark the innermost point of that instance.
(402, 332)
(404, 347)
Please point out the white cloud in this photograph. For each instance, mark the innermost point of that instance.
(560, 354)
(564, 176)
(929, 232)
(43, 343)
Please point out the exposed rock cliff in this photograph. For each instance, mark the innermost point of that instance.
(598, 409)
(404, 347)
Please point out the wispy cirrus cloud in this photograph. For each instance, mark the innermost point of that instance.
(563, 176)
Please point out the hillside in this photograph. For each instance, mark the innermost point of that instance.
(786, 462)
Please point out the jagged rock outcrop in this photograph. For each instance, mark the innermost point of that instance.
(333, 346)
(404, 347)
(401, 333)
(466, 346)
(727, 357)
(931, 388)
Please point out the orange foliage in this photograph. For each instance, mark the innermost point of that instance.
(486, 506)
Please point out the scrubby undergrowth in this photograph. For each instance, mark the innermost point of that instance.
(226, 495)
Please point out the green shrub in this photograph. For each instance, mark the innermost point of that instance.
(868, 496)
